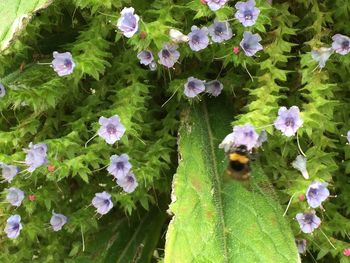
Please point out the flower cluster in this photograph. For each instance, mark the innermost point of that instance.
(198, 38)
(316, 193)
(15, 196)
(288, 121)
(111, 130)
(194, 87)
(120, 168)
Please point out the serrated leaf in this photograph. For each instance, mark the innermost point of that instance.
(14, 15)
(215, 218)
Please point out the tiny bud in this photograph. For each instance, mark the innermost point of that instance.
(50, 168)
(143, 35)
(235, 50)
(301, 197)
(346, 252)
(204, 2)
(31, 197)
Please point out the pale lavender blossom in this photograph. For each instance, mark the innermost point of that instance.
(341, 44)
(36, 156)
(63, 63)
(214, 87)
(119, 166)
(169, 55)
(152, 66)
(177, 36)
(193, 87)
(128, 183)
(348, 136)
(14, 196)
(13, 226)
(2, 91)
(301, 245)
(227, 142)
(300, 164)
(198, 38)
(247, 13)
(57, 221)
(145, 57)
(8, 172)
(220, 31)
(128, 23)
(321, 55)
(111, 129)
(250, 43)
(245, 135)
(215, 4)
(261, 139)
(102, 202)
(308, 221)
(288, 120)
(316, 193)
(241, 135)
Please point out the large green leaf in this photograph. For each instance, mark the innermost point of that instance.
(14, 14)
(217, 219)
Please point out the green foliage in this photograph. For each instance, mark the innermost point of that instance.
(63, 112)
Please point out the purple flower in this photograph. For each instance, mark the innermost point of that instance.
(316, 193)
(2, 91)
(102, 202)
(193, 87)
(111, 129)
(128, 22)
(301, 245)
(245, 135)
(9, 172)
(308, 221)
(145, 57)
(119, 166)
(169, 55)
(288, 120)
(321, 55)
(13, 226)
(348, 136)
(341, 44)
(128, 183)
(198, 38)
(215, 4)
(36, 156)
(57, 221)
(63, 63)
(14, 196)
(247, 13)
(250, 43)
(220, 31)
(214, 87)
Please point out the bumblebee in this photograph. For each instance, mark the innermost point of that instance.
(239, 163)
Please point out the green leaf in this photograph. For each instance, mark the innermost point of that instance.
(217, 219)
(14, 15)
(136, 241)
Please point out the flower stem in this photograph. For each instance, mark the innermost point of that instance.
(301, 151)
